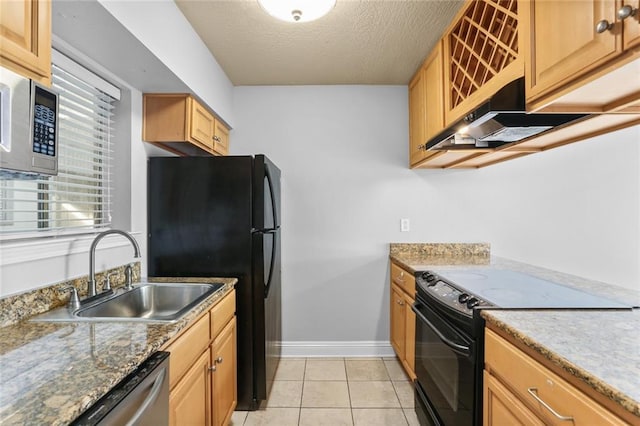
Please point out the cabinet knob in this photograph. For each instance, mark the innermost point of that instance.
(400, 302)
(603, 26)
(625, 11)
(219, 360)
(212, 368)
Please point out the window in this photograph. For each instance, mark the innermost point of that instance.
(79, 198)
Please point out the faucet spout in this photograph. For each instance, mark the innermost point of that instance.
(91, 283)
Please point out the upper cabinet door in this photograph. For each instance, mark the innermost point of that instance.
(201, 126)
(569, 39)
(434, 93)
(417, 118)
(220, 138)
(631, 28)
(25, 38)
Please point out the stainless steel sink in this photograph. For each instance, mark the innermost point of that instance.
(148, 302)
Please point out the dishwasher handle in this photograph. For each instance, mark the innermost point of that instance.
(150, 399)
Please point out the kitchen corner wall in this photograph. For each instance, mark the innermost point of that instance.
(343, 155)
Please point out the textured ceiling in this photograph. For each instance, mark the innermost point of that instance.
(358, 42)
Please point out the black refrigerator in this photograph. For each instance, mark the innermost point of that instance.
(220, 217)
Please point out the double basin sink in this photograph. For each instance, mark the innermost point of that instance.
(146, 302)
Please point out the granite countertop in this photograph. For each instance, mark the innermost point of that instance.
(599, 347)
(51, 372)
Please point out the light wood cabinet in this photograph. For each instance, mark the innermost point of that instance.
(220, 138)
(520, 390)
(403, 319)
(25, 38)
(203, 368)
(631, 28)
(482, 53)
(568, 68)
(434, 92)
(417, 118)
(178, 123)
(501, 407)
(410, 335)
(574, 66)
(201, 125)
(398, 324)
(190, 399)
(426, 106)
(224, 384)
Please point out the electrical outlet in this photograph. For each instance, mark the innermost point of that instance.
(404, 225)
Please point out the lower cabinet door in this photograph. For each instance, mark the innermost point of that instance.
(410, 337)
(224, 377)
(501, 407)
(398, 322)
(190, 400)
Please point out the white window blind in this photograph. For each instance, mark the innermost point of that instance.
(79, 198)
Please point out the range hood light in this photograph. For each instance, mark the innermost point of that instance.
(501, 119)
(459, 139)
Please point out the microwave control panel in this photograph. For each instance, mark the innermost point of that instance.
(44, 122)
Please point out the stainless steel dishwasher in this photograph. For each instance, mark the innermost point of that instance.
(140, 399)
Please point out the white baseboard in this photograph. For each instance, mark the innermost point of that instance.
(337, 349)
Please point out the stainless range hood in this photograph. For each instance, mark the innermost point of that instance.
(498, 121)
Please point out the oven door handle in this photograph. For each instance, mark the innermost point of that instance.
(461, 349)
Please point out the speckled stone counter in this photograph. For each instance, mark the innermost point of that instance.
(601, 348)
(51, 372)
(472, 259)
(416, 256)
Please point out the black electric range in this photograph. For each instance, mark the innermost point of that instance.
(449, 333)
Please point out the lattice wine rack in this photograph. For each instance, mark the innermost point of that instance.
(482, 43)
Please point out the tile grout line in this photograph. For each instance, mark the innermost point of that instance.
(397, 395)
(346, 376)
(304, 376)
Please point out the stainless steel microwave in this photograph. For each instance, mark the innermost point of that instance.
(28, 126)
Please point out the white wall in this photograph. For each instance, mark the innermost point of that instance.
(164, 30)
(343, 153)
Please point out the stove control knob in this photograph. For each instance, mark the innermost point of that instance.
(429, 278)
(472, 302)
(463, 297)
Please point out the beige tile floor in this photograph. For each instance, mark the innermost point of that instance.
(336, 392)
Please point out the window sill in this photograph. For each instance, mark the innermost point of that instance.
(12, 252)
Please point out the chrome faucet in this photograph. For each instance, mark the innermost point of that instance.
(91, 283)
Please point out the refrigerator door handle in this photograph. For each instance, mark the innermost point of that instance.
(267, 174)
(267, 287)
(266, 230)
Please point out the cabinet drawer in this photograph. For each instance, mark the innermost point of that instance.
(187, 348)
(405, 280)
(526, 377)
(222, 313)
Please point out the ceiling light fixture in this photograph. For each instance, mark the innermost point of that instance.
(297, 10)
